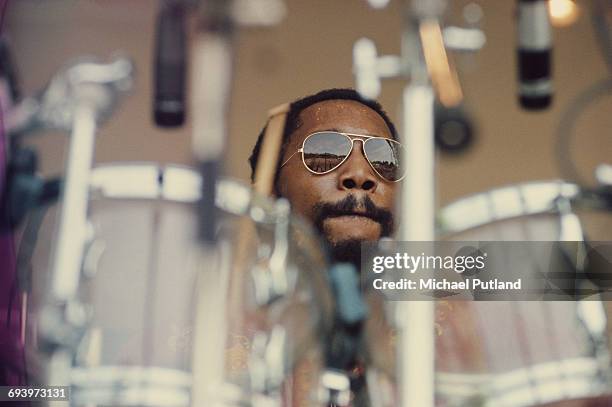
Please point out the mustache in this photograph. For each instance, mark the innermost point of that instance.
(350, 206)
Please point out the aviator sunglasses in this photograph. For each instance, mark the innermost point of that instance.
(324, 151)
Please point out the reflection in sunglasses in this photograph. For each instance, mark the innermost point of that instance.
(386, 169)
(325, 151)
(322, 162)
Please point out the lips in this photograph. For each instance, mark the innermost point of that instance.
(357, 217)
(351, 225)
(355, 214)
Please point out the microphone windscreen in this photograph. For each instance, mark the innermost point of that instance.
(170, 61)
(534, 51)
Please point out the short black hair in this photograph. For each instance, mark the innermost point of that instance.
(296, 107)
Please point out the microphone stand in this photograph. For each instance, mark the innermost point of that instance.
(211, 82)
(211, 73)
(414, 320)
(423, 59)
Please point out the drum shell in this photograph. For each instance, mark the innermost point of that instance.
(140, 278)
(475, 340)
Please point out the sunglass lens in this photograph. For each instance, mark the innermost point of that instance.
(385, 157)
(325, 151)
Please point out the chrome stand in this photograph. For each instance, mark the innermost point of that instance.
(423, 60)
(212, 71)
(76, 100)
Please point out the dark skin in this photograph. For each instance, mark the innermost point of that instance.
(355, 176)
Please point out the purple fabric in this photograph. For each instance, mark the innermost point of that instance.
(11, 348)
(12, 354)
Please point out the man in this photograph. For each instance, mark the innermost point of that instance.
(348, 198)
(339, 166)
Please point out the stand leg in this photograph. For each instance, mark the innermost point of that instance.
(73, 217)
(415, 319)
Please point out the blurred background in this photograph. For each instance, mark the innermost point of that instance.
(310, 50)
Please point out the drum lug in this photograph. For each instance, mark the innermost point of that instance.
(570, 229)
(571, 234)
(592, 315)
(263, 286)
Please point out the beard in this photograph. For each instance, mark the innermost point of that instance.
(349, 250)
(345, 251)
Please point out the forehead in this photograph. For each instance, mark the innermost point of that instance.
(347, 116)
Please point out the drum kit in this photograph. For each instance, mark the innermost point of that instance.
(130, 301)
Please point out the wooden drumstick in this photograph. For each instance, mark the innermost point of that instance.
(263, 184)
(238, 320)
(443, 74)
(268, 156)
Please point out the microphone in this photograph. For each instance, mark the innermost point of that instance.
(170, 55)
(534, 52)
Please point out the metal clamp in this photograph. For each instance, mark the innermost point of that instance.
(369, 68)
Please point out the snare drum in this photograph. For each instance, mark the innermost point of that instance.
(142, 271)
(503, 353)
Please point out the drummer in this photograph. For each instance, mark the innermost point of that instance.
(347, 198)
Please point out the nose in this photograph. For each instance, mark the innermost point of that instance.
(355, 173)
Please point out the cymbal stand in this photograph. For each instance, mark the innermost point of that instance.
(212, 70)
(423, 59)
(77, 100)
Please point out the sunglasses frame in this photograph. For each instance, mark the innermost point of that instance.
(352, 138)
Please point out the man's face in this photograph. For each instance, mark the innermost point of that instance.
(351, 203)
